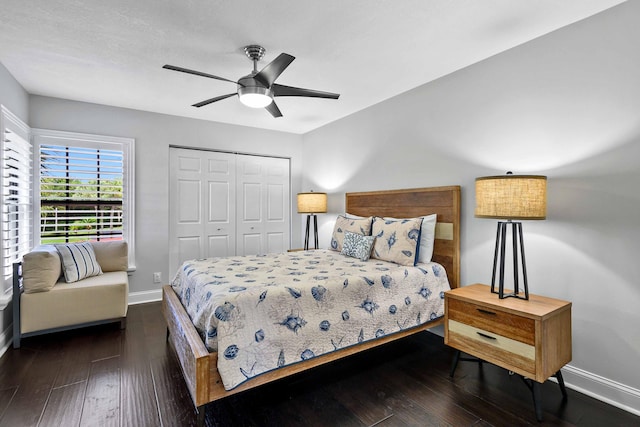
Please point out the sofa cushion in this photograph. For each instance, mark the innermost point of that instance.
(92, 299)
(112, 255)
(41, 269)
(78, 261)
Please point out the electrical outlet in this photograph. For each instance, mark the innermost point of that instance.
(157, 277)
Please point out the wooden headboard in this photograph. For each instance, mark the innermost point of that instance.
(444, 201)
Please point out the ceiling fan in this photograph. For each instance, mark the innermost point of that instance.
(258, 89)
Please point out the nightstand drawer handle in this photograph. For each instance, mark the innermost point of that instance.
(483, 311)
(486, 336)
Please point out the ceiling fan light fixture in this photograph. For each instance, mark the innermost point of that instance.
(255, 97)
(258, 88)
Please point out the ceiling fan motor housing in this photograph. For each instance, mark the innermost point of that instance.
(253, 93)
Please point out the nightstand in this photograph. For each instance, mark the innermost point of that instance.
(528, 337)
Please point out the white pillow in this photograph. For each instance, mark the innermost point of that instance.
(78, 261)
(427, 238)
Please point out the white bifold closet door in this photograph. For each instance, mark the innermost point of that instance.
(224, 204)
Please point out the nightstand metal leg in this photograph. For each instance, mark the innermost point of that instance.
(537, 404)
(458, 358)
(536, 393)
(454, 363)
(563, 389)
(534, 386)
(200, 417)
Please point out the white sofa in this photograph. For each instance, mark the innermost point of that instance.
(44, 302)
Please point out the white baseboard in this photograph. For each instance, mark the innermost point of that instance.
(614, 393)
(145, 296)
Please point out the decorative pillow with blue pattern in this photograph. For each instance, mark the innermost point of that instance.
(396, 240)
(357, 246)
(78, 261)
(360, 226)
(427, 237)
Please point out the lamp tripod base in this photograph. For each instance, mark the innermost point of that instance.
(315, 232)
(499, 261)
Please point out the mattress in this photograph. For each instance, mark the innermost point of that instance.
(264, 312)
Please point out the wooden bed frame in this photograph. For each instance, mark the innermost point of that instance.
(199, 366)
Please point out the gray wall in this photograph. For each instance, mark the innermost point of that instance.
(153, 134)
(13, 96)
(566, 105)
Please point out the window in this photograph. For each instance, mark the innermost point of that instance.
(15, 182)
(80, 194)
(84, 188)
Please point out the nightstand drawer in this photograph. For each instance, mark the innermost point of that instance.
(492, 346)
(508, 325)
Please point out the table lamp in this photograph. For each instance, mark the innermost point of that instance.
(311, 204)
(511, 197)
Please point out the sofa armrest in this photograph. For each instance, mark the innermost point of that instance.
(41, 269)
(112, 255)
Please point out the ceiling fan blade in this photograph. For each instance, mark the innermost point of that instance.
(197, 73)
(212, 100)
(272, 70)
(281, 90)
(273, 109)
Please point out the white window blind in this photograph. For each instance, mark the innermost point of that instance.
(81, 194)
(16, 167)
(84, 188)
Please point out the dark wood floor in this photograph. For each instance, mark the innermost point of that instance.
(103, 376)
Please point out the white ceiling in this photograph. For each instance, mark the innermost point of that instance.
(111, 52)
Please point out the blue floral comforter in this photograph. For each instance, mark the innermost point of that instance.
(264, 312)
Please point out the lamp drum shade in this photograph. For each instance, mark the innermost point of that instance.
(311, 203)
(511, 197)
